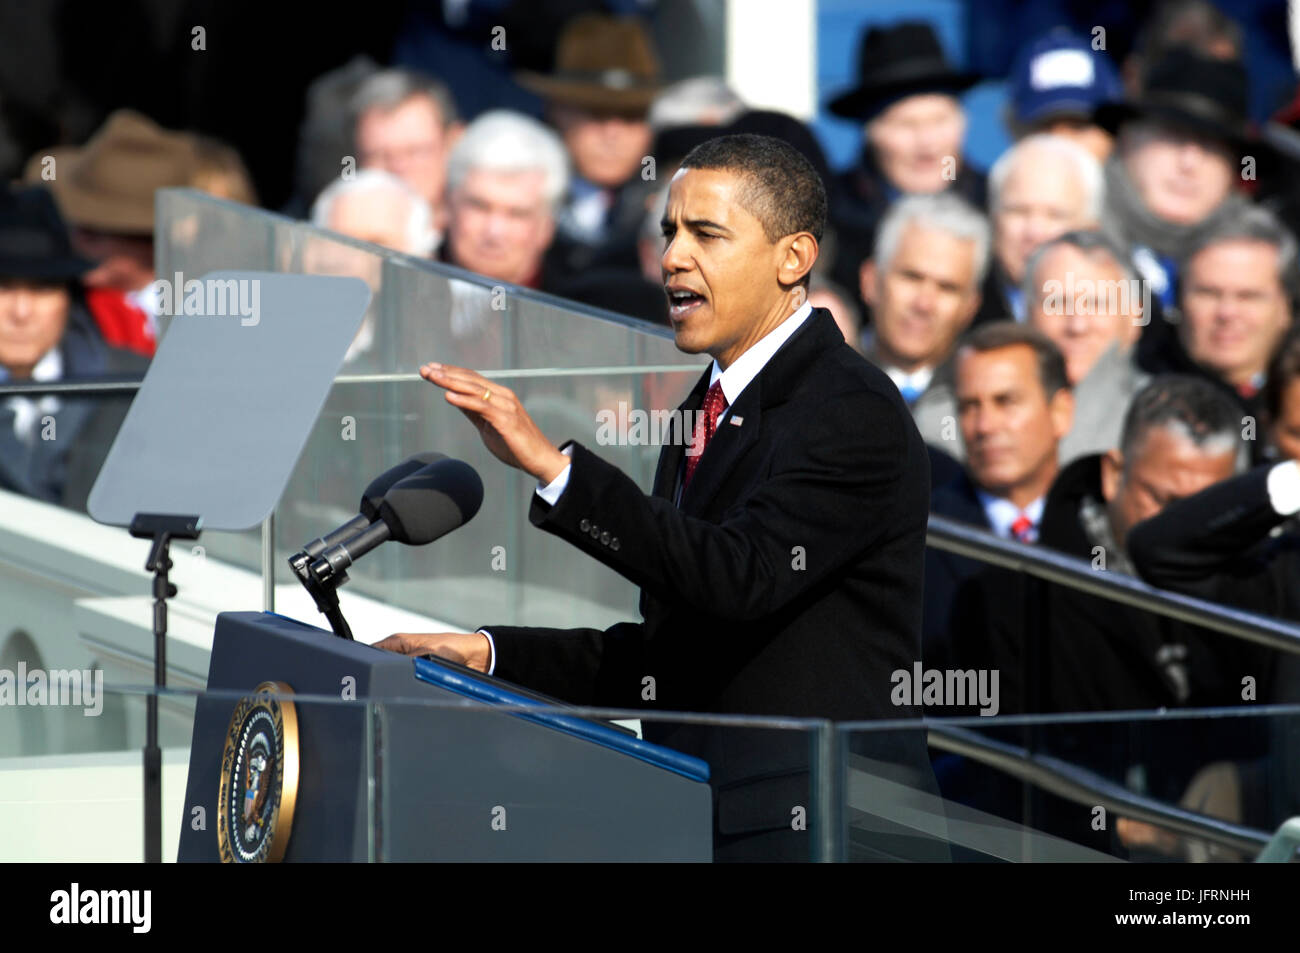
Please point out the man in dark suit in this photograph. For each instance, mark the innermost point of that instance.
(1013, 405)
(51, 447)
(1180, 435)
(1234, 542)
(780, 567)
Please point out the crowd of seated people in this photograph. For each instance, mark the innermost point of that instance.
(1096, 338)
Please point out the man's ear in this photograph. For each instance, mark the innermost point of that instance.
(1112, 470)
(799, 258)
(1061, 408)
(867, 281)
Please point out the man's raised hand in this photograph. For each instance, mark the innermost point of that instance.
(507, 430)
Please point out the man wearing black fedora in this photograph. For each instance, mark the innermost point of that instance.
(1177, 162)
(51, 447)
(913, 127)
(1175, 173)
(606, 75)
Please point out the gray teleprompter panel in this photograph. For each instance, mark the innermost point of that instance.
(440, 773)
(230, 399)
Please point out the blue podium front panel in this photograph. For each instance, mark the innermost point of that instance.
(404, 779)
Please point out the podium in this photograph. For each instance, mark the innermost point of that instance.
(420, 767)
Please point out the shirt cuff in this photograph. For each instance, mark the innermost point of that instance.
(551, 492)
(1284, 488)
(492, 651)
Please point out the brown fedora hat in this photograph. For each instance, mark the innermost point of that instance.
(602, 63)
(109, 183)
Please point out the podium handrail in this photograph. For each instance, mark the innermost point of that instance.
(1082, 786)
(964, 540)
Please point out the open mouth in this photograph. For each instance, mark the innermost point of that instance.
(682, 302)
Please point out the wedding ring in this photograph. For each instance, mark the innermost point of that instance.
(487, 395)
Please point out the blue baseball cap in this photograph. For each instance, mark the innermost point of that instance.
(1060, 74)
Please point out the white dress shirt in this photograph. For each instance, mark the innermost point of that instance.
(1284, 488)
(733, 380)
(28, 410)
(917, 381)
(1001, 513)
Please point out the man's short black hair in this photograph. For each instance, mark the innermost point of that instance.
(782, 189)
(996, 335)
(1191, 406)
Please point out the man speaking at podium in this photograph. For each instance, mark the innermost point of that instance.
(780, 568)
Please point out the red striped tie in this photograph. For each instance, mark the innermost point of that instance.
(1023, 529)
(715, 403)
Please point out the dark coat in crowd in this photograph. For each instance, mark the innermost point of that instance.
(1058, 650)
(573, 255)
(995, 305)
(1061, 650)
(622, 290)
(1228, 544)
(63, 469)
(946, 574)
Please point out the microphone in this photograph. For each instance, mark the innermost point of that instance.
(370, 500)
(417, 509)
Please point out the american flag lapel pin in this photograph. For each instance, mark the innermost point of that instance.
(736, 421)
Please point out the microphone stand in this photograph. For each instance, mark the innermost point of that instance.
(323, 593)
(162, 528)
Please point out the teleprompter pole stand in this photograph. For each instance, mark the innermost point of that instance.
(162, 529)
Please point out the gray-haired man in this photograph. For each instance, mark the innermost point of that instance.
(1042, 186)
(923, 285)
(406, 123)
(505, 181)
(1082, 293)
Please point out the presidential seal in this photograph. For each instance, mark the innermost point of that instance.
(259, 778)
